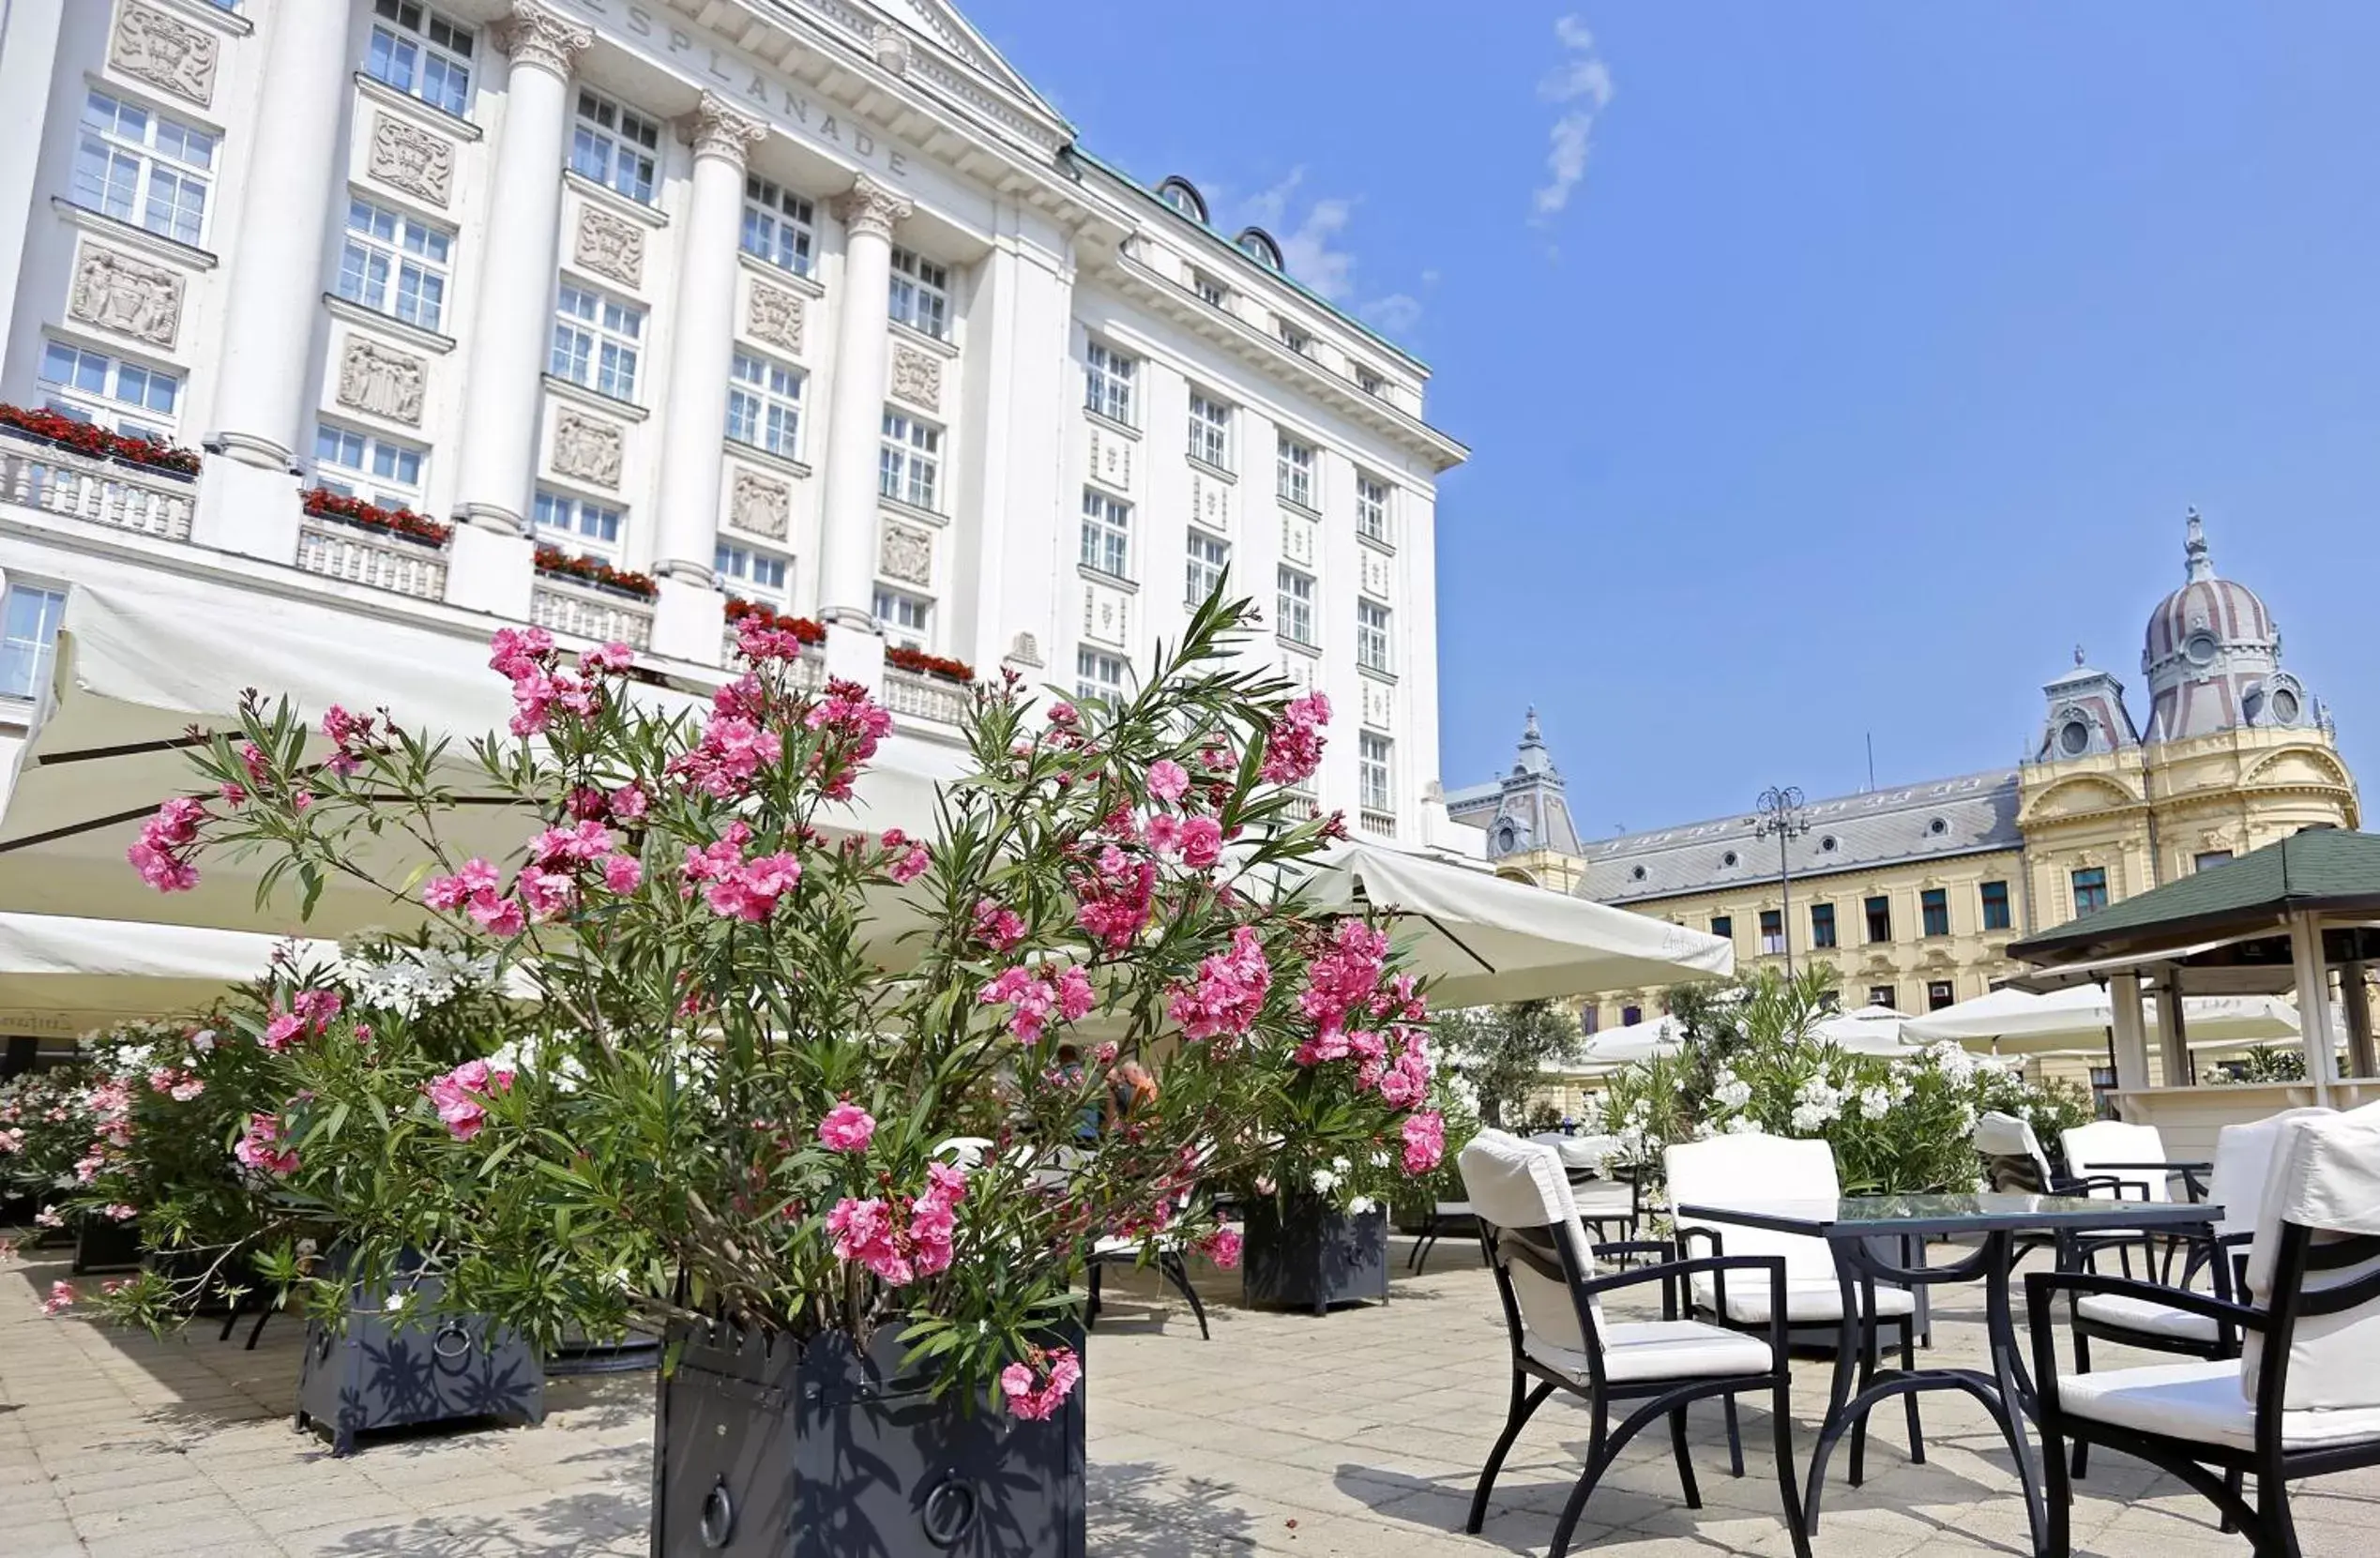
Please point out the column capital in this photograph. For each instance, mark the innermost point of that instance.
(533, 35)
(718, 129)
(870, 207)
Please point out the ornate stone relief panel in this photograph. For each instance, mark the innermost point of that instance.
(917, 377)
(1111, 459)
(1025, 649)
(1212, 503)
(610, 246)
(164, 52)
(1375, 573)
(1107, 617)
(133, 298)
(587, 449)
(1297, 670)
(759, 505)
(906, 553)
(1298, 538)
(386, 383)
(774, 315)
(411, 158)
(1379, 705)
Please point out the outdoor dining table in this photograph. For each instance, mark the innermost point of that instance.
(1858, 1228)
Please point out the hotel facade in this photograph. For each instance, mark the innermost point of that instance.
(623, 318)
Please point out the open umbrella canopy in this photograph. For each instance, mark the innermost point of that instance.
(2016, 1021)
(1867, 1031)
(66, 975)
(1483, 939)
(1616, 1047)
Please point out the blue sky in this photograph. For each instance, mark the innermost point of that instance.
(1865, 367)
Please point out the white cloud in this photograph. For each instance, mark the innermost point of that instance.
(1581, 83)
(1312, 236)
(1394, 314)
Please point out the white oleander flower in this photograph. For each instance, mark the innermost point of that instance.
(1743, 1124)
(1734, 1094)
(1875, 1102)
(1359, 1205)
(1325, 1181)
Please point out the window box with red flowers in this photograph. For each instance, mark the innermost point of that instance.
(940, 667)
(554, 563)
(402, 523)
(805, 630)
(86, 438)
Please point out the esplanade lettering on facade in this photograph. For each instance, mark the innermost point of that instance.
(722, 66)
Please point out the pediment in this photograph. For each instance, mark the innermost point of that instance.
(2082, 796)
(2296, 766)
(954, 35)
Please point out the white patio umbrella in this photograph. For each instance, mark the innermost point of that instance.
(1866, 1031)
(64, 976)
(2014, 1022)
(1616, 1047)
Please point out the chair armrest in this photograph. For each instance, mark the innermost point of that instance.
(1688, 1236)
(2085, 1185)
(2040, 1287)
(1618, 1248)
(1671, 1270)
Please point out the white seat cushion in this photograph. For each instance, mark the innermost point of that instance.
(1805, 1298)
(1638, 1350)
(2148, 1316)
(2201, 1402)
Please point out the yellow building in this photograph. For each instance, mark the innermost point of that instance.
(1911, 895)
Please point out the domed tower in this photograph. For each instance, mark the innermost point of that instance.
(2213, 658)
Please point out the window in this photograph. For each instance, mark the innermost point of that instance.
(1368, 382)
(140, 166)
(616, 146)
(1210, 291)
(1210, 431)
(763, 406)
(1372, 508)
(1373, 789)
(1108, 383)
(1295, 338)
(29, 617)
(1880, 919)
(1296, 621)
(1098, 675)
(1371, 636)
(2090, 889)
(359, 465)
(1939, 994)
(596, 340)
(1591, 1019)
(1821, 925)
(1294, 474)
(394, 264)
(750, 573)
(2206, 858)
(578, 525)
(1933, 906)
(778, 224)
(1631, 1016)
(92, 386)
(909, 466)
(1772, 932)
(1722, 925)
(417, 51)
(920, 294)
(1883, 995)
(907, 619)
(1208, 558)
(1107, 534)
(1995, 905)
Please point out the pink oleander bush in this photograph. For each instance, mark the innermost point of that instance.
(776, 1064)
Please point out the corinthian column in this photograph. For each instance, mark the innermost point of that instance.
(513, 326)
(847, 527)
(276, 273)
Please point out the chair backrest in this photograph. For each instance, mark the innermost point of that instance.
(1576, 1152)
(2243, 1162)
(2322, 1197)
(2117, 1141)
(1519, 1188)
(1759, 1168)
(2012, 1157)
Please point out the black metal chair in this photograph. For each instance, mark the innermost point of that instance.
(2302, 1398)
(1441, 1214)
(1547, 1281)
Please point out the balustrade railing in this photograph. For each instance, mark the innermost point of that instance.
(585, 611)
(361, 556)
(40, 475)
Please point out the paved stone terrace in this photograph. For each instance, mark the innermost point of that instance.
(1358, 1434)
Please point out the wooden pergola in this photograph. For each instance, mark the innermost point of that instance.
(2300, 916)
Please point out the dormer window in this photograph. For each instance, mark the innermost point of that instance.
(1183, 196)
(2074, 736)
(1258, 245)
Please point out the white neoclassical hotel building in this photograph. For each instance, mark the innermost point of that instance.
(812, 304)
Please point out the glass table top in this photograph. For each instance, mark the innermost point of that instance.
(1854, 1216)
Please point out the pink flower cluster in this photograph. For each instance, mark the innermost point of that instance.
(61, 1297)
(1343, 976)
(351, 737)
(181, 1086)
(11, 1140)
(733, 885)
(1033, 995)
(997, 926)
(1037, 1388)
(1293, 747)
(847, 1128)
(733, 752)
(459, 1092)
(527, 658)
(264, 1149)
(1221, 1246)
(1197, 840)
(168, 842)
(1230, 992)
(1112, 904)
(905, 859)
(854, 724)
(899, 1239)
(1425, 1142)
(478, 889)
(307, 1016)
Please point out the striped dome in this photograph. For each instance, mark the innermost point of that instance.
(2223, 607)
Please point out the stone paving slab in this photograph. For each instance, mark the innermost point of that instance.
(1358, 1435)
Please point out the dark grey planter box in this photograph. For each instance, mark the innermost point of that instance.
(102, 1244)
(1302, 1254)
(432, 1368)
(768, 1447)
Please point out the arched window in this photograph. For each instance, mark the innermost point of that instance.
(1183, 196)
(1258, 245)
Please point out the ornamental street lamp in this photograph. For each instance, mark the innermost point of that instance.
(1784, 813)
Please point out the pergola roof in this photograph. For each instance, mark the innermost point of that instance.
(2327, 871)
